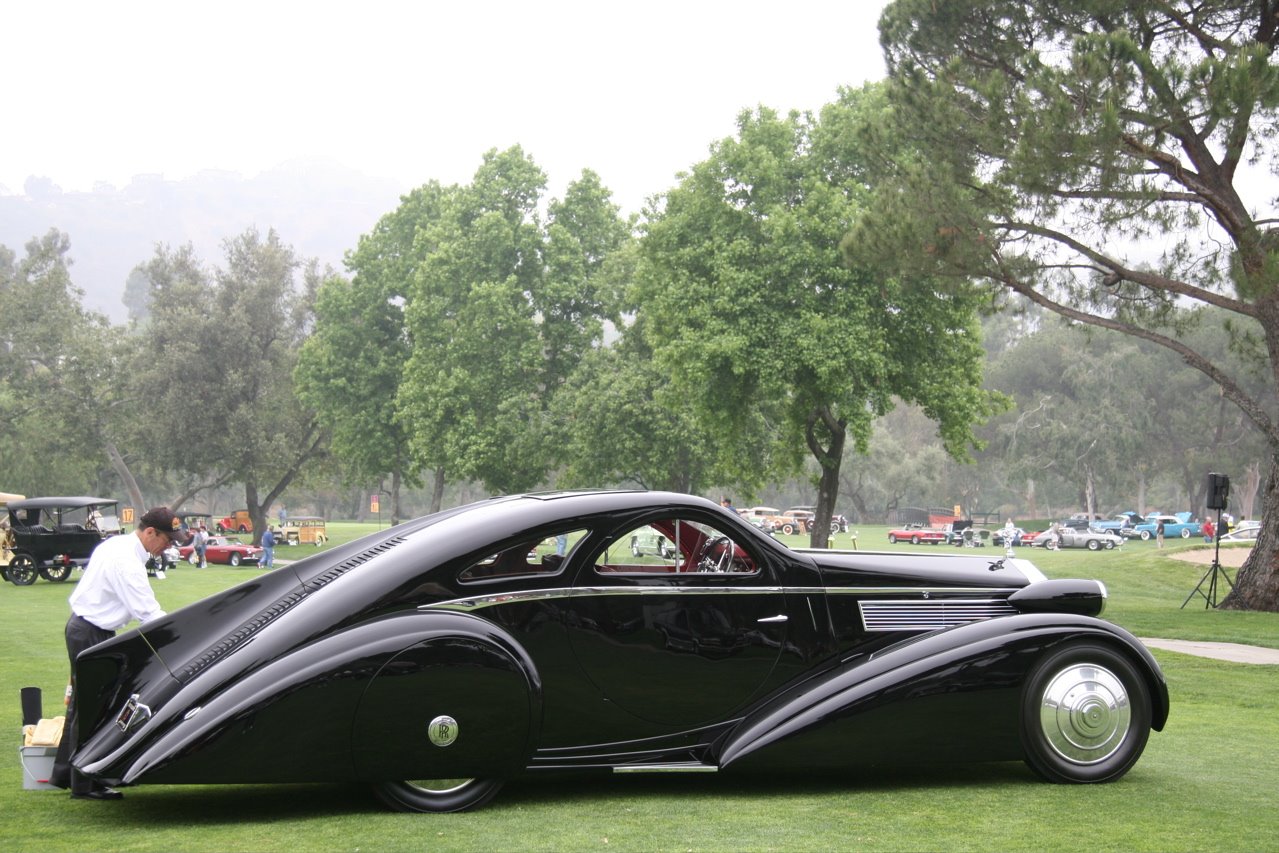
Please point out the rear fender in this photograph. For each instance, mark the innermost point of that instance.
(336, 708)
(950, 694)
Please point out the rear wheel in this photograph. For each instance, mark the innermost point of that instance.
(1094, 545)
(22, 570)
(1085, 715)
(788, 529)
(437, 795)
(914, 540)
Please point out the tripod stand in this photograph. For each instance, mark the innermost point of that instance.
(1210, 576)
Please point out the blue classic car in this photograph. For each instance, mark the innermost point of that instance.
(1181, 524)
(1119, 522)
(438, 658)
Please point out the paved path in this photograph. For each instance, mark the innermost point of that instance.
(1234, 652)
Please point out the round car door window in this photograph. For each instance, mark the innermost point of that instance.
(676, 622)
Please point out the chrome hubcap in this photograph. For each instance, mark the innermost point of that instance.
(1085, 713)
(438, 786)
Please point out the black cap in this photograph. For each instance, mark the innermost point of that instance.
(163, 520)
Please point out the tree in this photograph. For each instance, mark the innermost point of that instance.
(622, 423)
(499, 313)
(1098, 158)
(348, 372)
(781, 347)
(351, 369)
(59, 392)
(221, 348)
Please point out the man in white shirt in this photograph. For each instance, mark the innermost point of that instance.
(113, 592)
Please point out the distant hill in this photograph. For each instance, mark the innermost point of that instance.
(319, 208)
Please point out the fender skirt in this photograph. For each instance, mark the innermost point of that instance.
(948, 696)
(354, 705)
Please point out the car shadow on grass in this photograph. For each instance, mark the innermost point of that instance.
(217, 805)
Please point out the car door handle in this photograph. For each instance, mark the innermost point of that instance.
(768, 619)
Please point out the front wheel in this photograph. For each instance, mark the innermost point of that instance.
(234, 559)
(1094, 545)
(788, 529)
(1085, 715)
(437, 795)
(892, 540)
(1145, 536)
(1185, 533)
(22, 570)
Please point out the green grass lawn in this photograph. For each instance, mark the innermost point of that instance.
(1206, 783)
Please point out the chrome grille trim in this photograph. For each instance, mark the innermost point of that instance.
(930, 614)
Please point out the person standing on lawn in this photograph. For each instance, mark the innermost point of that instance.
(113, 592)
(200, 544)
(268, 549)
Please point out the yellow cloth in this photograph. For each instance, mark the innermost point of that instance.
(44, 733)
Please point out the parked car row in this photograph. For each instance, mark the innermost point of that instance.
(796, 520)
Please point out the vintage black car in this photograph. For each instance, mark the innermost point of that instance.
(442, 656)
(50, 537)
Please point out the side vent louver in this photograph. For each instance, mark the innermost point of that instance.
(931, 614)
(282, 605)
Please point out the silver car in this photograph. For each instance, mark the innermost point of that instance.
(1093, 540)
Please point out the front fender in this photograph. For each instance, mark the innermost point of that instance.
(949, 695)
(334, 708)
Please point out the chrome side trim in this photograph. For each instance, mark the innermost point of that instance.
(472, 603)
(930, 614)
(690, 767)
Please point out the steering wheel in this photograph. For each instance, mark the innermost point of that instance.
(707, 561)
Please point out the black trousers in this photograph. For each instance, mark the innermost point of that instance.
(81, 634)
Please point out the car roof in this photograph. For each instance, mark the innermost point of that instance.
(55, 502)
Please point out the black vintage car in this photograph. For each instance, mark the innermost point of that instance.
(440, 657)
(49, 537)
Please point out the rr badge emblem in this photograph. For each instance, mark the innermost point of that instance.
(442, 731)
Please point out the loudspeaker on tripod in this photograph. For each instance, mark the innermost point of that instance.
(1218, 491)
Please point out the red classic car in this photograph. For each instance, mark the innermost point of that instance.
(915, 534)
(223, 549)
